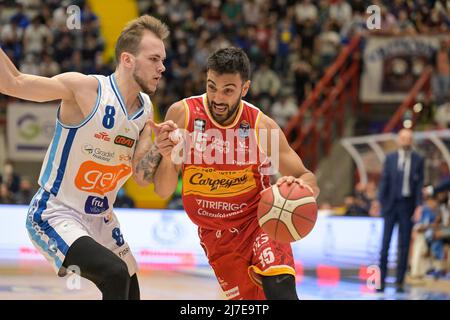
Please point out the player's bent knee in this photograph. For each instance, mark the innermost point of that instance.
(118, 272)
(279, 287)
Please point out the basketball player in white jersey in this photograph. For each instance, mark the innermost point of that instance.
(70, 219)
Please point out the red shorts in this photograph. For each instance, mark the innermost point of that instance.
(240, 256)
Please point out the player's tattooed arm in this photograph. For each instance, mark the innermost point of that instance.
(148, 153)
(146, 167)
(146, 158)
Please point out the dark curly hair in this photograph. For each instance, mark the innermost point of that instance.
(230, 60)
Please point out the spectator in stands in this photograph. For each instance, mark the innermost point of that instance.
(303, 75)
(397, 6)
(429, 224)
(88, 16)
(442, 186)
(404, 26)
(90, 54)
(375, 209)
(328, 44)
(370, 190)
(26, 192)
(9, 178)
(437, 22)
(284, 36)
(37, 37)
(64, 50)
(20, 17)
(420, 248)
(266, 85)
(447, 19)
(441, 73)
(3, 16)
(213, 16)
(103, 68)
(400, 196)
(420, 18)
(356, 25)
(263, 35)
(231, 14)
(361, 195)
(251, 12)
(340, 11)
(388, 21)
(268, 29)
(323, 11)
(308, 31)
(11, 38)
(75, 64)
(203, 48)
(47, 15)
(3, 106)
(284, 108)
(305, 10)
(6, 196)
(48, 67)
(355, 207)
(59, 15)
(442, 114)
(30, 64)
(219, 41)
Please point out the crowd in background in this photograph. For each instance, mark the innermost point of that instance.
(35, 36)
(14, 189)
(290, 44)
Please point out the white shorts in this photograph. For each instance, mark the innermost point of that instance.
(53, 228)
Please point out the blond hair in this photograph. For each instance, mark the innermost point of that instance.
(131, 35)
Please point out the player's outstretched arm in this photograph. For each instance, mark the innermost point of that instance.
(36, 88)
(151, 161)
(147, 155)
(166, 175)
(291, 166)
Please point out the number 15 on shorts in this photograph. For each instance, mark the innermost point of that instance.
(266, 257)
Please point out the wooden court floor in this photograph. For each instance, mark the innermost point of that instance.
(40, 283)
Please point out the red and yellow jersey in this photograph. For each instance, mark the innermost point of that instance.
(222, 177)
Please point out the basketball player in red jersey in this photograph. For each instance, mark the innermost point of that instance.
(222, 185)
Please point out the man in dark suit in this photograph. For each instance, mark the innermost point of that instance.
(400, 195)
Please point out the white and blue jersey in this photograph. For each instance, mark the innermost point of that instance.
(86, 165)
(84, 168)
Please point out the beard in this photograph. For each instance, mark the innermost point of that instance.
(142, 84)
(229, 114)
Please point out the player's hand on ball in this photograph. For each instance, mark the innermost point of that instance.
(290, 180)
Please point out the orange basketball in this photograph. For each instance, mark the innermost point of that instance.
(287, 213)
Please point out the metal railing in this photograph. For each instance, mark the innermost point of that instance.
(326, 107)
(422, 85)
